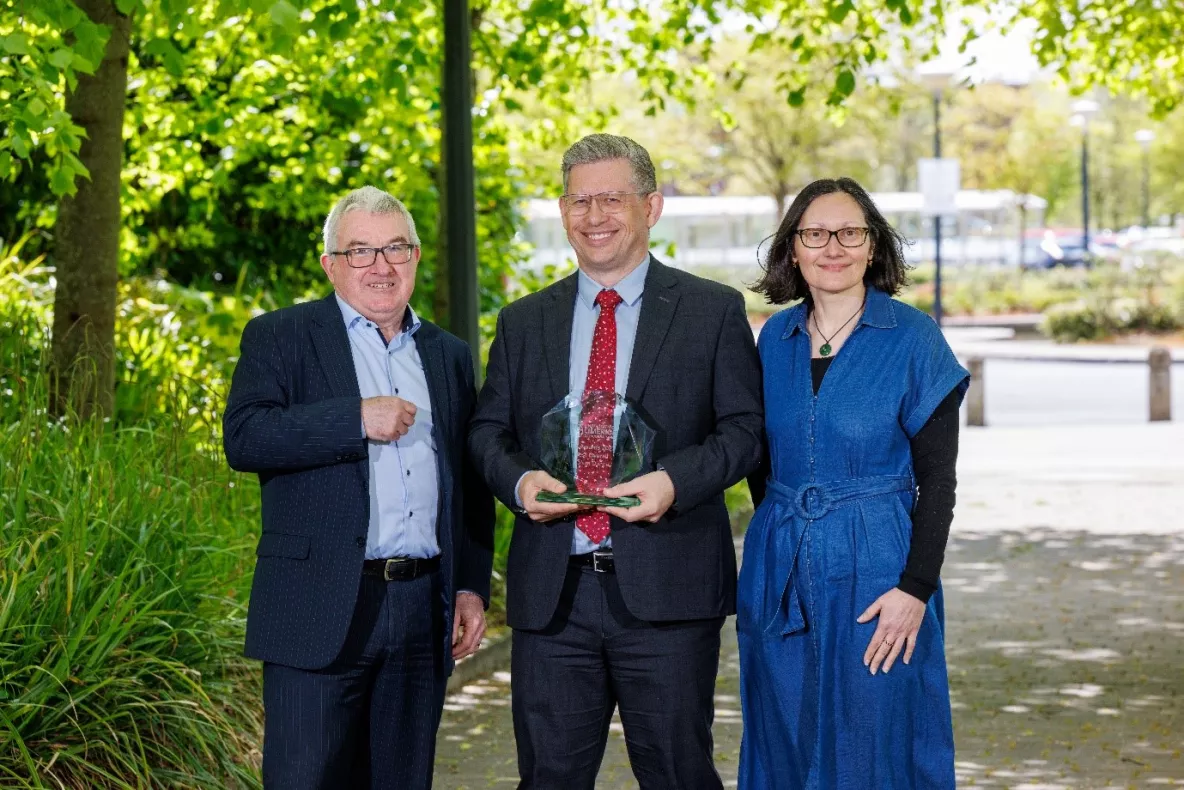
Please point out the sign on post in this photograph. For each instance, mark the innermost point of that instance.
(939, 181)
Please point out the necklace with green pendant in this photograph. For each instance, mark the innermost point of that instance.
(826, 349)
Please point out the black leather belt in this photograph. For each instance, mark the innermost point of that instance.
(599, 561)
(400, 568)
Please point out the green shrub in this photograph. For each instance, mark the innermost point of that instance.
(1100, 318)
(1070, 322)
(125, 555)
(124, 560)
(739, 501)
(175, 347)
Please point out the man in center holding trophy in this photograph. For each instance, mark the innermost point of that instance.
(619, 403)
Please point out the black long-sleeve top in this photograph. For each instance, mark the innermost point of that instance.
(935, 456)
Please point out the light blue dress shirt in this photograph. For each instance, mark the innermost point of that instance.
(404, 484)
(583, 327)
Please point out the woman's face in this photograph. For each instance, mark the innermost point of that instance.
(837, 267)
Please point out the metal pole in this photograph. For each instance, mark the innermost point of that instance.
(1146, 185)
(937, 218)
(1085, 189)
(976, 395)
(1160, 362)
(460, 201)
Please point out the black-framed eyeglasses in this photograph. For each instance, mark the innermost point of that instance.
(816, 238)
(609, 202)
(361, 257)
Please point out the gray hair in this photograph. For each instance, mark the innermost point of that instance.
(371, 200)
(603, 147)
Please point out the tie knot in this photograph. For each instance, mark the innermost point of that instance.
(608, 299)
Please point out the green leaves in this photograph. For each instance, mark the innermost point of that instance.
(838, 11)
(15, 44)
(284, 14)
(61, 181)
(168, 54)
(61, 58)
(845, 83)
(90, 42)
(34, 111)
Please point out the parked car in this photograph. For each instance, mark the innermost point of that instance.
(1052, 250)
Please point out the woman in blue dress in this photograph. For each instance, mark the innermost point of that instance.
(840, 619)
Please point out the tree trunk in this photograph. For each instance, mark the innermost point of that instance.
(781, 198)
(86, 235)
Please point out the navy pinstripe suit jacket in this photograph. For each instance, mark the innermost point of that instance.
(696, 377)
(294, 416)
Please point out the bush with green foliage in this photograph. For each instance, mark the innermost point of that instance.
(1098, 319)
(126, 548)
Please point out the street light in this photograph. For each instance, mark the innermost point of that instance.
(460, 205)
(1144, 137)
(936, 76)
(1082, 110)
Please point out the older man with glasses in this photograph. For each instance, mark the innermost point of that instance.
(374, 563)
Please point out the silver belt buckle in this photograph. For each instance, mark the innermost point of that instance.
(597, 556)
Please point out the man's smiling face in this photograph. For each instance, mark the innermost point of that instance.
(608, 243)
(379, 292)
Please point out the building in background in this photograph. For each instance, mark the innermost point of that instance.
(726, 230)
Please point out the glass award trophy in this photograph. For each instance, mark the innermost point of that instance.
(631, 440)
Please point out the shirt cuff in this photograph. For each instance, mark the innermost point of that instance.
(673, 502)
(920, 590)
(517, 486)
(484, 600)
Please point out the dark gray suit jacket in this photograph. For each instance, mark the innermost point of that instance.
(294, 416)
(696, 377)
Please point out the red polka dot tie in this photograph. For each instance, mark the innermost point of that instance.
(595, 460)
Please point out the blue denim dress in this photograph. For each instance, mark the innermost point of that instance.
(831, 536)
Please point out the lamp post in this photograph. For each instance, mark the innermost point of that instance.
(937, 219)
(1082, 110)
(459, 201)
(936, 77)
(1144, 137)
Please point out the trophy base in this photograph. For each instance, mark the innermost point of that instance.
(593, 500)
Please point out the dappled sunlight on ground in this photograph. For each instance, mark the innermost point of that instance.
(1066, 653)
(1069, 673)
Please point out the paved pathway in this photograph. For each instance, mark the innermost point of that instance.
(1065, 598)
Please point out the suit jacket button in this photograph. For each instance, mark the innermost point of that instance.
(361, 541)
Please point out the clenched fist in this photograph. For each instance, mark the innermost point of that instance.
(387, 418)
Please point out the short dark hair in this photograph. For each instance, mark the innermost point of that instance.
(783, 282)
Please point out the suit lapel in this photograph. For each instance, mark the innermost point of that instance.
(431, 356)
(658, 303)
(557, 318)
(332, 347)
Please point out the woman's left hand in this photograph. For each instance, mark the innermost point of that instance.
(900, 619)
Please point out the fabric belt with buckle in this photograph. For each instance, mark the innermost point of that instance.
(599, 561)
(400, 568)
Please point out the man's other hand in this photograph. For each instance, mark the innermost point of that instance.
(656, 492)
(387, 418)
(468, 624)
(528, 490)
